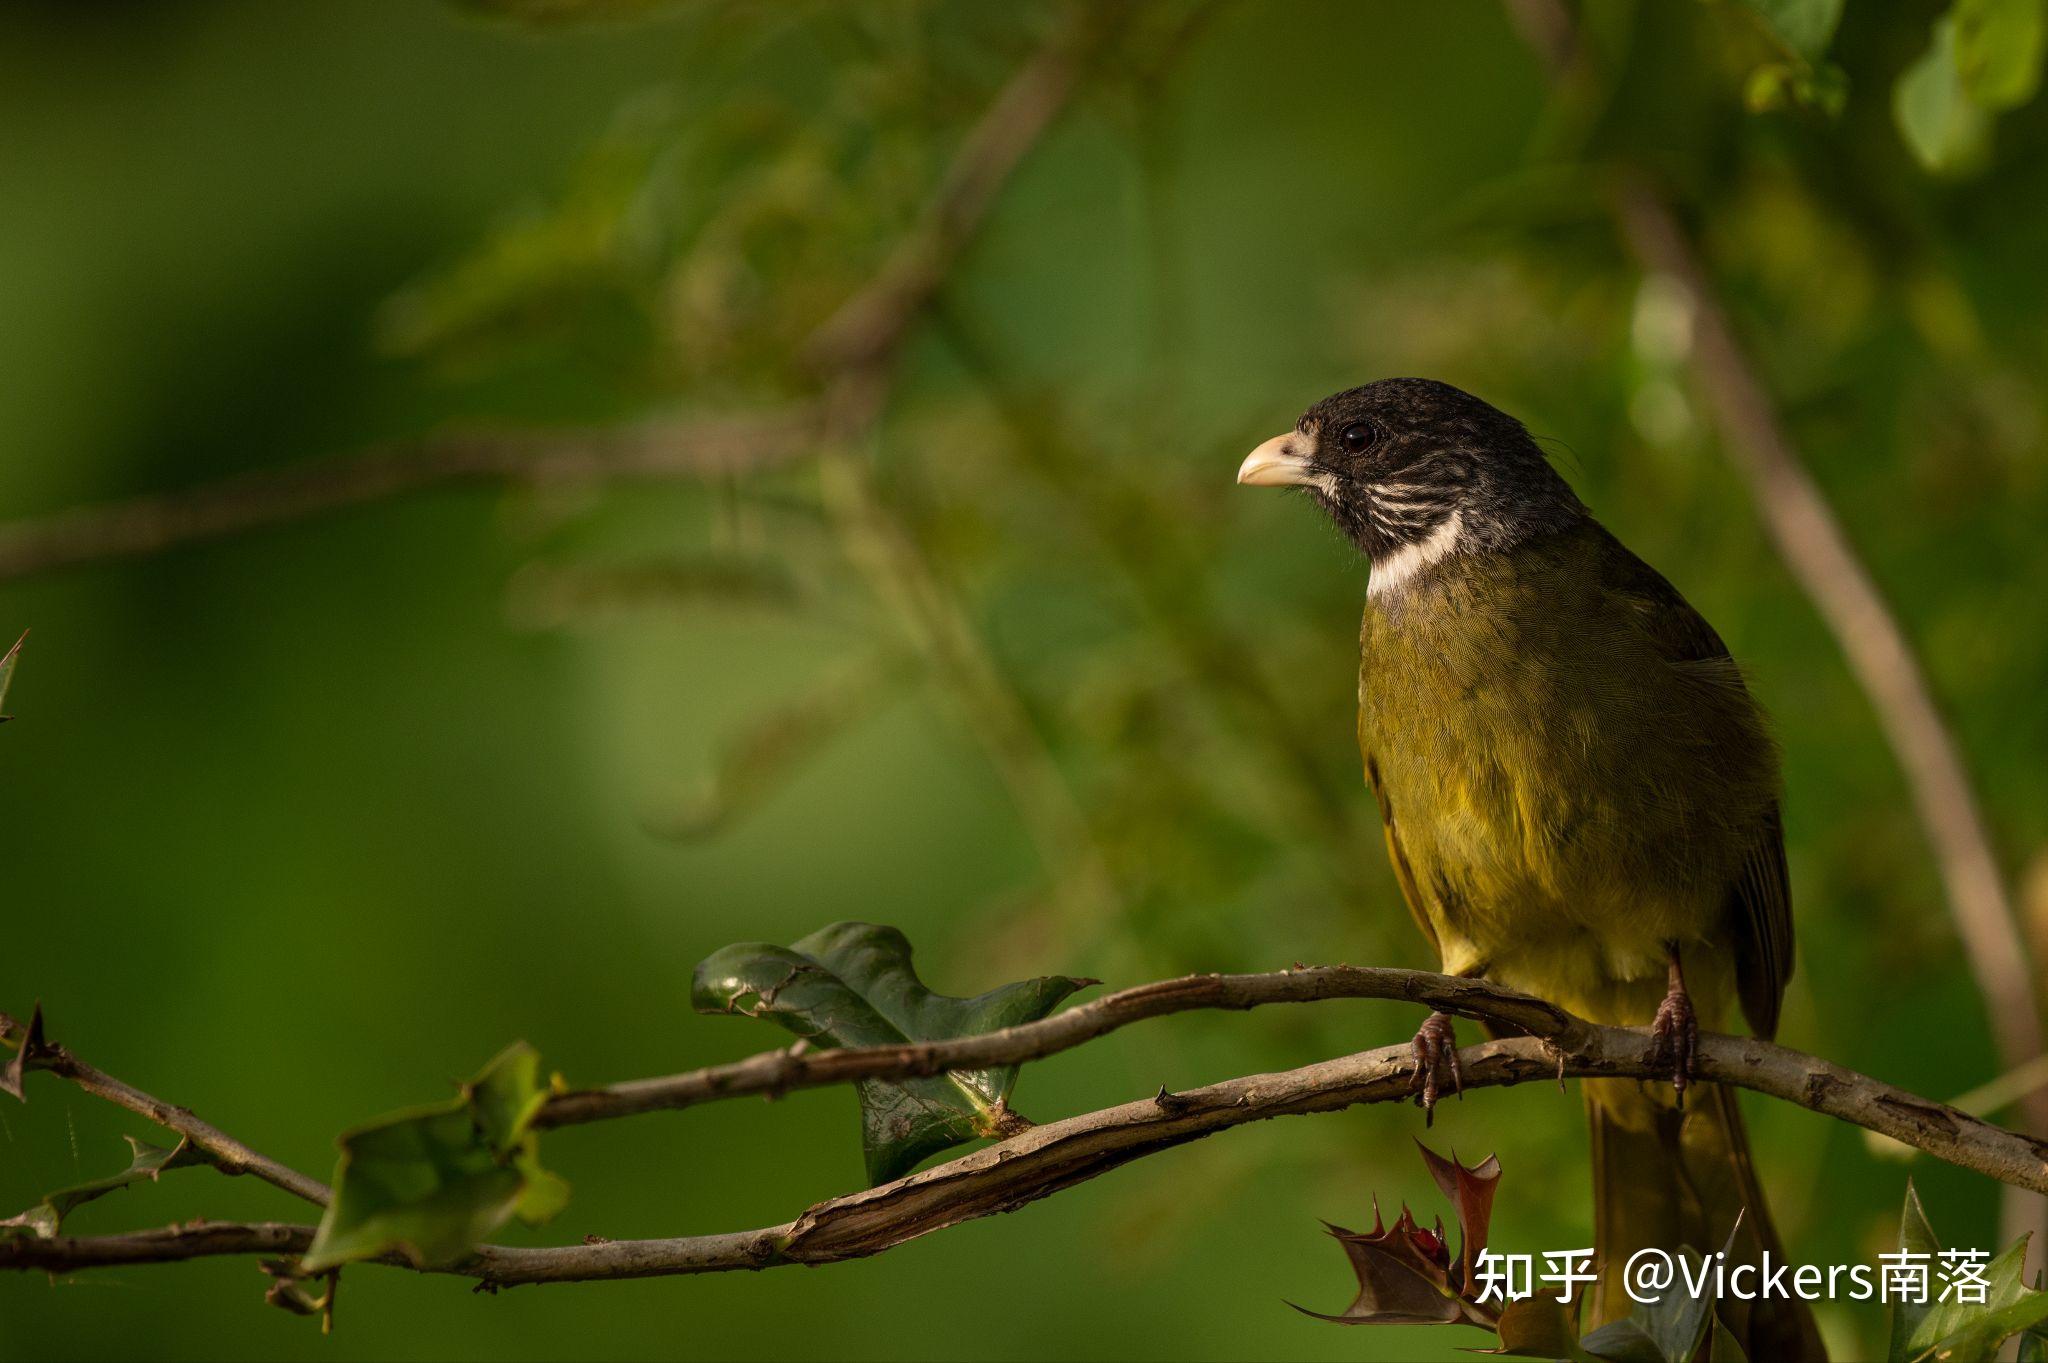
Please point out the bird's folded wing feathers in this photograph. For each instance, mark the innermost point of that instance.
(1760, 900)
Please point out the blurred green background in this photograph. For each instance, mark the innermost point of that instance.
(300, 826)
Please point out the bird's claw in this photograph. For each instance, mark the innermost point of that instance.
(1676, 1038)
(1436, 1050)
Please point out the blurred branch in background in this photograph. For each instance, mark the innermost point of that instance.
(1046, 1158)
(1815, 547)
(692, 448)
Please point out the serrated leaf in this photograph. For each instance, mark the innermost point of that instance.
(1960, 1332)
(7, 665)
(852, 984)
(1917, 1236)
(1803, 27)
(1673, 1325)
(431, 1183)
(1945, 129)
(1671, 1328)
(146, 1163)
(1955, 1331)
(1998, 50)
(1403, 1273)
(1470, 1191)
(1678, 1321)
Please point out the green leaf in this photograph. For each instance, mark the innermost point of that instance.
(1956, 1331)
(146, 1164)
(7, 662)
(852, 984)
(1677, 1321)
(1945, 129)
(1727, 1348)
(1803, 27)
(432, 1182)
(1916, 1236)
(1998, 50)
(1669, 1329)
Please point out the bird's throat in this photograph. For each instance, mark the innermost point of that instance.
(1396, 569)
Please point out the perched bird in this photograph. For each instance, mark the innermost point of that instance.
(1579, 794)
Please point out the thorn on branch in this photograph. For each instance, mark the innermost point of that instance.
(31, 1053)
(1171, 1102)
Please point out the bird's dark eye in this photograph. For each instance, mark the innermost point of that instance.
(1355, 438)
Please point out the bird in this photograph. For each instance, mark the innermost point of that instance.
(1580, 797)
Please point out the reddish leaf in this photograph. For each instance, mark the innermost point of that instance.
(1403, 1275)
(1470, 1192)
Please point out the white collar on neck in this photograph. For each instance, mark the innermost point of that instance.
(1394, 572)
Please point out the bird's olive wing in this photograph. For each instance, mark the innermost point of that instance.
(1760, 900)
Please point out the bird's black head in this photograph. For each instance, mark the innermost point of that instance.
(1419, 466)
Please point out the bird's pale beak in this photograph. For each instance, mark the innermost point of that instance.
(1280, 462)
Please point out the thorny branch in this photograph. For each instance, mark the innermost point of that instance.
(1055, 1155)
(223, 1151)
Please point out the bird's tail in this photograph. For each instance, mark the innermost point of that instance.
(1665, 1177)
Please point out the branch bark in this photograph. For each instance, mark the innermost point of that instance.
(778, 1072)
(1057, 1155)
(224, 1152)
(1047, 1158)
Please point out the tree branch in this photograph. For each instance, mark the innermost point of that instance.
(696, 448)
(870, 327)
(225, 1153)
(1047, 1158)
(784, 1071)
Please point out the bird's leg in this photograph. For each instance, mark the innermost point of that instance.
(1676, 1029)
(1436, 1050)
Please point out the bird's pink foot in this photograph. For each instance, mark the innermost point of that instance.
(1676, 1031)
(1436, 1054)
